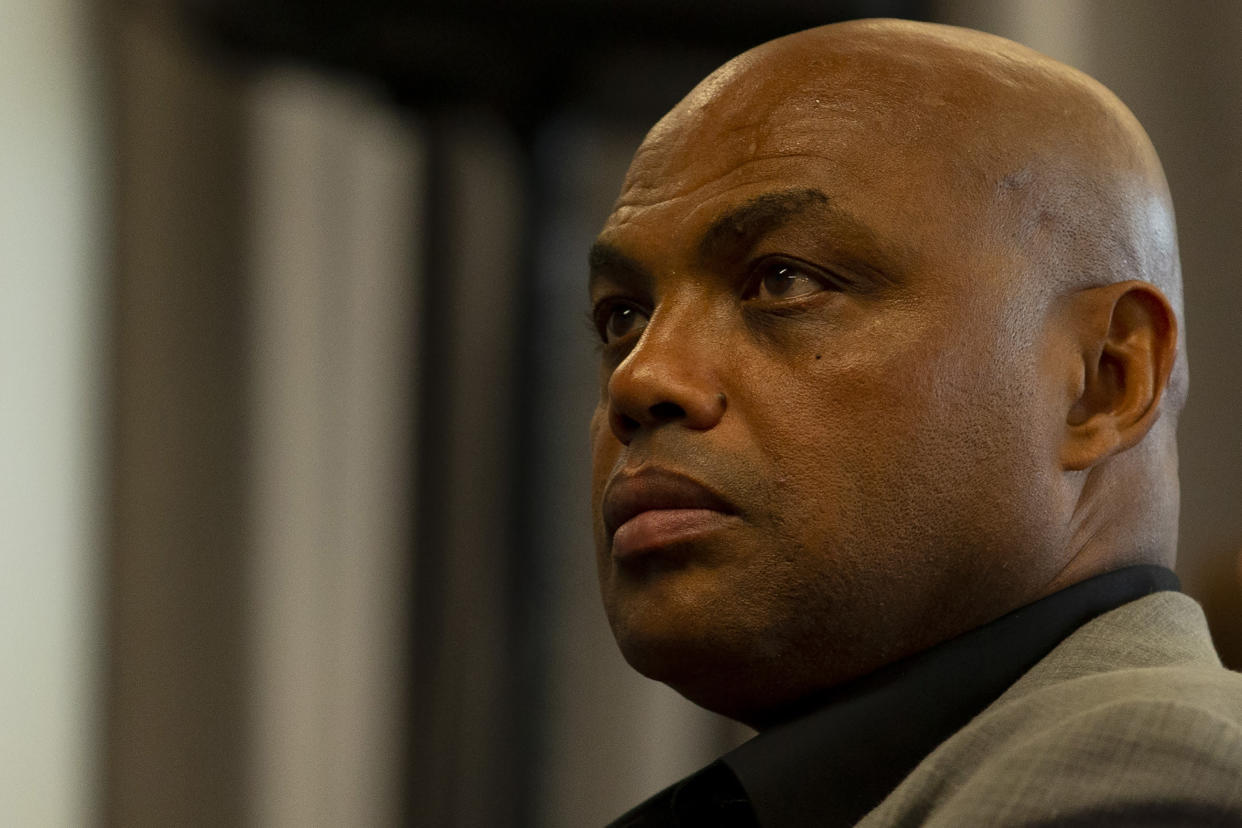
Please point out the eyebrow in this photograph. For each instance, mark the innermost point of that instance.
(608, 259)
(738, 229)
(735, 232)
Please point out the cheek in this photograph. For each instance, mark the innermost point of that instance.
(599, 421)
(841, 403)
(876, 433)
(605, 453)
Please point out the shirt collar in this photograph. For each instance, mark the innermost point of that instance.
(832, 766)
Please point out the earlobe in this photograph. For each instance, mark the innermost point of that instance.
(1126, 336)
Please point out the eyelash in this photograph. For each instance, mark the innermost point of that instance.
(770, 265)
(598, 316)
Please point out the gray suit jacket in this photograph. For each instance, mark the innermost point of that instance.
(1131, 720)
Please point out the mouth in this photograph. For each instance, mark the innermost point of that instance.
(652, 509)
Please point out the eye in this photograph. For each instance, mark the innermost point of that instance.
(617, 319)
(779, 280)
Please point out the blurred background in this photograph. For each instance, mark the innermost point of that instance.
(295, 386)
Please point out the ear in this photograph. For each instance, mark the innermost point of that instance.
(1126, 336)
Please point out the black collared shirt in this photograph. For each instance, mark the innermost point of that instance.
(831, 766)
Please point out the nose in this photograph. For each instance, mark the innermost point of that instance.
(671, 377)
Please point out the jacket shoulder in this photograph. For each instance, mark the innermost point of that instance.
(1130, 721)
(1139, 759)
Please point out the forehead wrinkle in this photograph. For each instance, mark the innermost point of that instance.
(647, 183)
(741, 226)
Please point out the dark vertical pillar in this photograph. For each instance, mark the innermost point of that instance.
(174, 730)
(463, 752)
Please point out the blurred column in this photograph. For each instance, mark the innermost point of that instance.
(335, 235)
(51, 421)
(467, 763)
(178, 510)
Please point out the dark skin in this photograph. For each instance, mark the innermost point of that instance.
(890, 348)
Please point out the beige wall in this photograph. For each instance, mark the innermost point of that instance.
(52, 181)
(264, 290)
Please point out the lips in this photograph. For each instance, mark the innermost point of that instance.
(651, 509)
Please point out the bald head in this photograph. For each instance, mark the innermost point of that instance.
(1053, 166)
(943, 269)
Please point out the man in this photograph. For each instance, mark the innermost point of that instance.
(884, 456)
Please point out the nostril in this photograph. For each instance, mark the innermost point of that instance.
(624, 426)
(665, 411)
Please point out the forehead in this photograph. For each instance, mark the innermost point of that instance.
(883, 141)
(755, 136)
(904, 211)
(901, 100)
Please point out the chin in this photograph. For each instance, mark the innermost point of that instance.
(715, 674)
(725, 644)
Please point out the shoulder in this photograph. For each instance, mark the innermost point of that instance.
(1141, 758)
(1131, 721)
